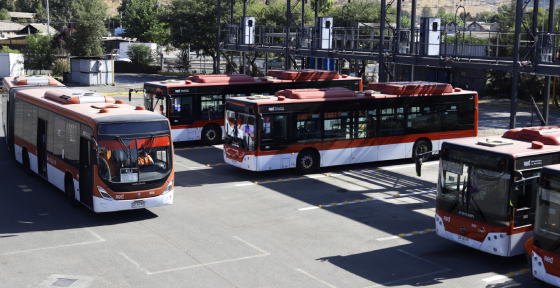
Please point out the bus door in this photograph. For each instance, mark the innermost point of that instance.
(86, 171)
(526, 199)
(42, 146)
(182, 112)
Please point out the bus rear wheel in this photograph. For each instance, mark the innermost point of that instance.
(307, 162)
(211, 134)
(421, 146)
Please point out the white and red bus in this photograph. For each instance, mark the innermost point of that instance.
(311, 128)
(544, 248)
(487, 188)
(102, 153)
(194, 106)
(11, 85)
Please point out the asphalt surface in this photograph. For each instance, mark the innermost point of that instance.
(223, 230)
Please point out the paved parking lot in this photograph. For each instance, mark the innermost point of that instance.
(364, 225)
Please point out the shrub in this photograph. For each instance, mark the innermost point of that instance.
(141, 54)
(6, 49)
(59, 66)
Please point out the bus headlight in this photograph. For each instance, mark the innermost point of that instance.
(168, 188)
(104, 193)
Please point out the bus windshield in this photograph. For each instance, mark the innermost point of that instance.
(473, 185)
(547, 226)
(240, 130)
(134, 160)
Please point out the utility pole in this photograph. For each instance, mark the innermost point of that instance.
(316, 31)
(48, 21)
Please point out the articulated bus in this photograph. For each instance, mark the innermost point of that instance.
(10, 86)
(544, 248)
(102, 153)
(487, 188)
(311, 128)
(195, 106)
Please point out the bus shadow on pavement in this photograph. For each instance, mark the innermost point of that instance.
(406, 265)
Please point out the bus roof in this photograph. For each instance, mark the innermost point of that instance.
(274, 76)
(87, 106)
(34, 80)
(517, 142)
(339, 93)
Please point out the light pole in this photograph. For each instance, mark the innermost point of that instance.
(48, 20)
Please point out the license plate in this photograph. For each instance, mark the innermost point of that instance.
(138, 204)
(463, 239)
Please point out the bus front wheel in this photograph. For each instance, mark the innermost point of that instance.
(421, 146)
(211, 134)
(307, 162)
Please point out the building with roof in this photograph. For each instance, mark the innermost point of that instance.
(482, 26)
(9, 28)
(22, 15)
(37, 28)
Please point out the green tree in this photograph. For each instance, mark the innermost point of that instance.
(6, 49)
(447, 18)
(192, 22)
(39, 53)
(141, 54)
(8, 4)
(4, 15)
(62, 11)
(485, 16)
(142, 20)
(427, 12)
(87, 40)
(324, 6)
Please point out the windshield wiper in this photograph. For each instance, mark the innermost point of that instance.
(125, 149)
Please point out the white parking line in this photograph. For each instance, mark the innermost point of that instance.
(99, 239)
(299, 270)
(263, 253)
(365, 200)
(192, 168)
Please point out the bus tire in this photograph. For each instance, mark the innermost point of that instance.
(307, 161)
(26, 163)
(70, 192)
(421, 146)
(211, 134)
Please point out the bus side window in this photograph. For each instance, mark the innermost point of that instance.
(365, 124)
(212, 103)
(181, 106)
(392, 120)
(18, 118)
(418, 119)
(59, 136)
(72, 145)
(337, 125)
(308, 127)
(29, 121)
(50, 132)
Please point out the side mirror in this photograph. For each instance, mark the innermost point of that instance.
(418, 162)
(94, 156)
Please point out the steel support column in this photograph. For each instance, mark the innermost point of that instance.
(287, 40)
(534, 30)
(413, 28)
(217, 68)
(546, 98)
(515, 70)
(399, 15)
(243, 54)
(316, 40)
(382, 72)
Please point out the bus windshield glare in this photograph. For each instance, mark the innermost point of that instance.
(474, 185)
(134, 160)
(240, 130)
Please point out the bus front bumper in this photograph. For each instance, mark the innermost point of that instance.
(105, 205)
(249, 162)
(494, 243)
(539, 270)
